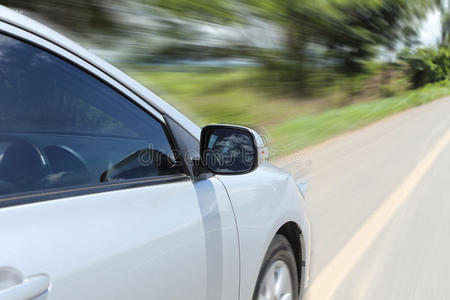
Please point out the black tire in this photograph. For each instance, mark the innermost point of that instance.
(279, 249)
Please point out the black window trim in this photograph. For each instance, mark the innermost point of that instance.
(82, 190)
(54, 194)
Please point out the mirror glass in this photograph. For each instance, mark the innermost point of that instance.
(229, 150)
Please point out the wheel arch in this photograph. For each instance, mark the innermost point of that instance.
(292, 232)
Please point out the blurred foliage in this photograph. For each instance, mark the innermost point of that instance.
(217, 11)
(338, 36)
(344, 33)
(308, 130)
(217, 95)
(304, 70)
(428, 65)
(431, 64)
(445, 34)
(80, 17)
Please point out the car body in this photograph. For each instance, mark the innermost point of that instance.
(169, 237)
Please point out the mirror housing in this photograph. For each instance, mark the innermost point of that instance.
(230, 149)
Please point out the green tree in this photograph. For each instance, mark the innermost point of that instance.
(341, 35)
(351, 30)
(445, 24)
(427, 65)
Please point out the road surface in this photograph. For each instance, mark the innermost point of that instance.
(379, 205)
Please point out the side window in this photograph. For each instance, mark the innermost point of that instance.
(61, 127)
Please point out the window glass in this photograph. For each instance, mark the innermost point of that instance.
(61, 127)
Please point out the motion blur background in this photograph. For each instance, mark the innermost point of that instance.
(300, 71)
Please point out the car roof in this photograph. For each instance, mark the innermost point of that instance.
(25, 23)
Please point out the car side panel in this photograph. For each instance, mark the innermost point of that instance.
(263, 201)
(140, 243)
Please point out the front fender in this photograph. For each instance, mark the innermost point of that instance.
(263, 201)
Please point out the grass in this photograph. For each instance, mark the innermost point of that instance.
(218, 96)
(309, 130)
(291, 123)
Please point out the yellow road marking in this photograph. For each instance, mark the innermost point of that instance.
(333, 274)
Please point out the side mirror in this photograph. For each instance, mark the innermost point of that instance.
(231, 150)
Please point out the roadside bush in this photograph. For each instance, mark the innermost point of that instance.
(427, 65)
(387, 90)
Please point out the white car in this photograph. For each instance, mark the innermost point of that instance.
(108, 192)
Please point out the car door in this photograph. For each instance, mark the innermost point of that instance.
(94, 202)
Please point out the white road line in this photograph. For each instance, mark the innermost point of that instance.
(333, 274)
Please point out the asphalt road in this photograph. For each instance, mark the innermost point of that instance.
(379, 205)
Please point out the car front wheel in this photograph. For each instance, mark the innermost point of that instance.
(277, 279)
